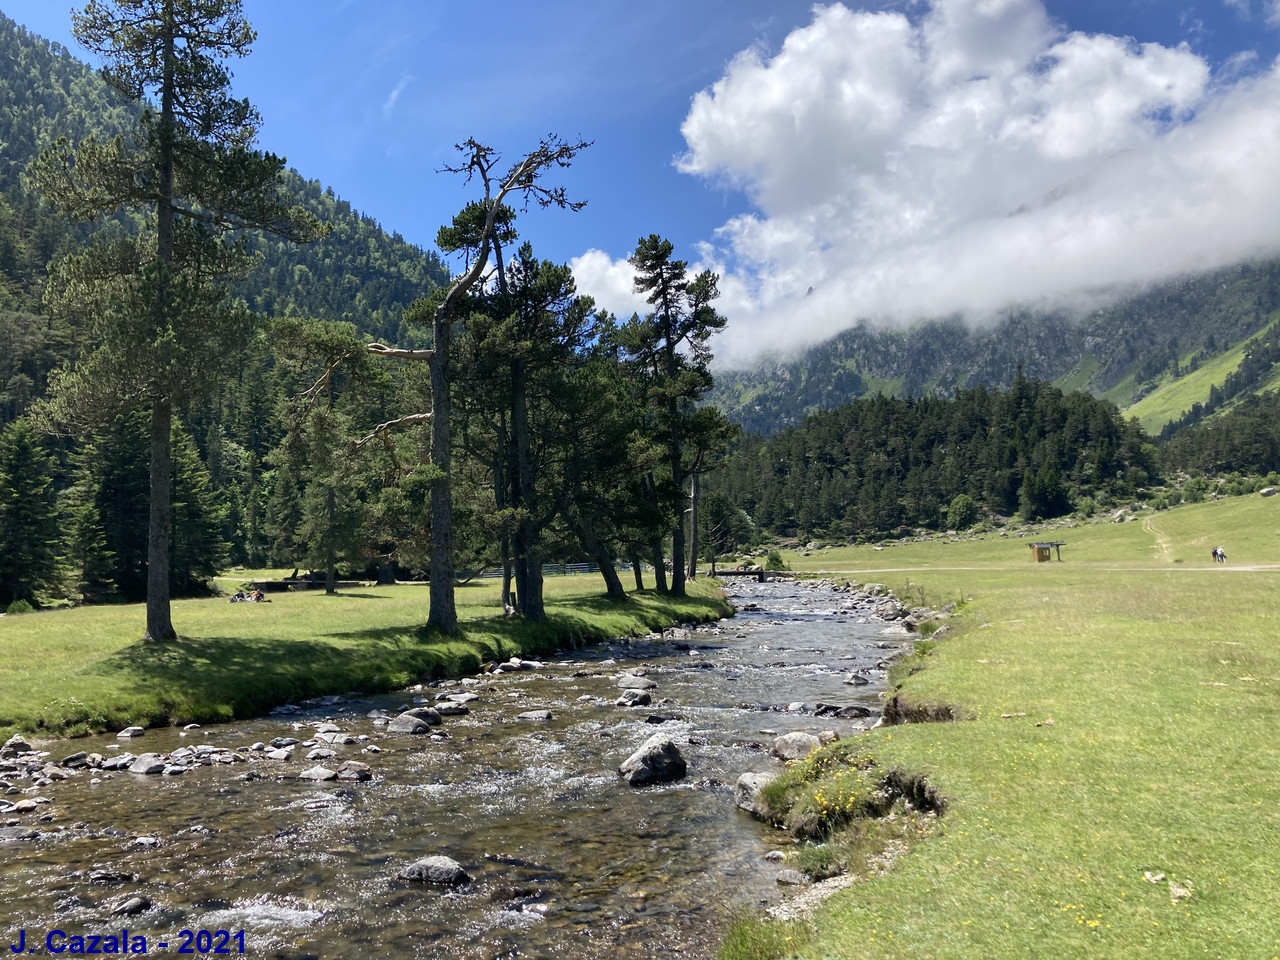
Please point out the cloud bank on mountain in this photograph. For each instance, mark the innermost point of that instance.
(965, 161)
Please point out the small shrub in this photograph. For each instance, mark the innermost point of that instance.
(20, 606)
(963, 512)
(773, 561)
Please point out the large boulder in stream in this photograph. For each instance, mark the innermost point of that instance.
(633, 698)
(629, 682)
(14, 746)
(408, 723)
(657, 761)
(443, 870)
(148, 763)
(746, 792)
(795, 746)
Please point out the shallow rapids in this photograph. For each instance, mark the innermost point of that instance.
(567, 861)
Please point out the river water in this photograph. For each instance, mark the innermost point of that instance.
(567, 860)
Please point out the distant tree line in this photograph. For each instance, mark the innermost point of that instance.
(882, 466)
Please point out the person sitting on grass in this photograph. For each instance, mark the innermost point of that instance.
(238, 598)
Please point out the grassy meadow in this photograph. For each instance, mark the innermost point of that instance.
(66, 672)
(1121, 719)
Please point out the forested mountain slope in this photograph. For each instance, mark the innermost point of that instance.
(1125, 352)
(357, 273)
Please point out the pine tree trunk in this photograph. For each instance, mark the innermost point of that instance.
(695, 490)
(443, 614)
(500, 504)
(659, 567)
(598, 552)
(528, 560)
(636, 567)
(331, 566)
(159, 623)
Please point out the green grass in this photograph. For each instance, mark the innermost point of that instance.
(71, 671)
(1175, 397)
(1122, 714)
(1079, 376)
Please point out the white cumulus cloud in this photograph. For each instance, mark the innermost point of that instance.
(967, 159)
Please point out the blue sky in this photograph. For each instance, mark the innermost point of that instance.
(830, 157)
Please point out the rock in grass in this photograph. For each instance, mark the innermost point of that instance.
(657, 761)
(438, 869)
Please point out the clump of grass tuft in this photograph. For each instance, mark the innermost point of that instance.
(752, 937)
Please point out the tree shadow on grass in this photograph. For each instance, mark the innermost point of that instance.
(219, 678)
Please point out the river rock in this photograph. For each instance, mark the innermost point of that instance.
(851, 712)
(746, 793)
(18, 833)
(355, 770)
(792, 878)
(633, 698)
(280, 742)
(131, 907)
(321, 753)
(328, 727)
(408, 723)
(426, 714)
(284, 753)
(463, 697)
(795, 746)
(147, 763)
(129, 732)
(438, 869)
(318, 773)
(629, 682)
(535, 715)
(657, 761)
(14, 746)
(451, 708)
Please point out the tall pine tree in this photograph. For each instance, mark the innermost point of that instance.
(156, 304)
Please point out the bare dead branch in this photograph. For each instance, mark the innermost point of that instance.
(384, 350)
(392, 425)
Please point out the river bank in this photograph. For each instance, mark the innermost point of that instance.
(517, 782)
(74, 672)
(1113, 780)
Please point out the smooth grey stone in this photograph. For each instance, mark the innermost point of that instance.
(148, 763)
(318, 773)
